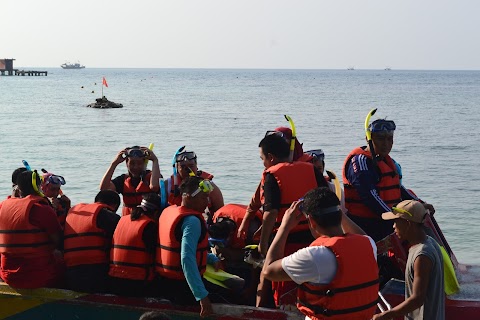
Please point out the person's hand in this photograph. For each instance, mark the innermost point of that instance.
(149, 154)
(217, 265)
(205, 307)
(429, 207)
(242, 230)
(66, 201)
(292, 216)
(262, 249)
(120, 157)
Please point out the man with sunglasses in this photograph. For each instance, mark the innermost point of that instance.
(182, 255)
(372, 183)
(138, 181)
(337, 275)
(424, 274)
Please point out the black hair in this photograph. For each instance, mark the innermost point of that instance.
(154, 315)
(151, 198)
(222, 228)
(275, 145)
(24, 182)
(320, 198)
(190, 184)
(15, 174)
(108, 197)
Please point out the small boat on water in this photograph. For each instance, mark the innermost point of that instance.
(68, 65)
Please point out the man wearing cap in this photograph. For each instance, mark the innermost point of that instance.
(138, 181)
(424, 282)
(337, 274)
(372, 183)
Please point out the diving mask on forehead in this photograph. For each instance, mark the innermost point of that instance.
(205, 186)
(134, 152)
(382, 125)
(186, 156)
(317, 154)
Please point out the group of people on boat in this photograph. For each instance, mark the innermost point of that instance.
(309, 243)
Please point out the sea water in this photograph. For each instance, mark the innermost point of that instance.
(223, 114)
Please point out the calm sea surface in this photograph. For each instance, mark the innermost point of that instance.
(223, 114)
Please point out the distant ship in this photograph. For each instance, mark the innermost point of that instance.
(68, 65)
(350, 68)
(388, 69)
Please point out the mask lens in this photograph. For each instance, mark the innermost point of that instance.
(56, 180)
(382, 125)
(186, 156)
(277, 133)
(135, 153)
(318, 154)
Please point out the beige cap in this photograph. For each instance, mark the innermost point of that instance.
(409, 210)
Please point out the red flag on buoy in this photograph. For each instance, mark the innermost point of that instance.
(104, 82)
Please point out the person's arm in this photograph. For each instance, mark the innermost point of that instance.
(422, 268)
(156, 175)
(106, 183)
(216, 198)
(351, 227)
(254, 205)
(271, 208)
(362, 175)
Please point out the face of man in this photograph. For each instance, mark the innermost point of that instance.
(400, 227)
(382, 143)
(267, 160)
(185, 167)
(135, 166)
(51, 190)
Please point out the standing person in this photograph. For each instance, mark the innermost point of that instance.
(182, 257)
(372, 183)
(337, 274)
(133, 250)
(424, 277)
(186, 165)
(138, 181)
(282, 183)
(51, 184)
(87, 238)
(29, 236)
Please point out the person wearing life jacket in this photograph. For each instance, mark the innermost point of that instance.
(29, 236)
(255, 202)
(337, 275)
(15, 191)
(138, 181)
(181, 256)
(51, 185)
(372, 184)
(87, 238)
(133, 250)
(186, 165)
(282, 183)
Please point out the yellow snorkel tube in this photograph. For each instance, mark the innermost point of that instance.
(336, 183)
(150, 147)
(368, 133)
(34, 183)
(294, 137)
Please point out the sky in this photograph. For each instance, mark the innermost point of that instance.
(258, 34)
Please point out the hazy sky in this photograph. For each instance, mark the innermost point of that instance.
(318, 34)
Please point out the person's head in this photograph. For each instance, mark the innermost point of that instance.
(154, 315)
(135, 161)
(186, 163)
(323, 210)
(382, 136)
(287, 133)
(110, 198)
(221, 232)
(318, 159)
(27, 182)
(195, 191)
(408, 216)
(150, 206)
(273, 149)
(16, 172)
(51, 184)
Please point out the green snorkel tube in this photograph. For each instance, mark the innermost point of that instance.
(176, 191)
(369, 136)
(294, 137)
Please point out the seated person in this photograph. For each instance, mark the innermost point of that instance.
(51, 185)
(15, 191)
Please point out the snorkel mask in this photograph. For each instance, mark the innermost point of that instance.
(205, 186)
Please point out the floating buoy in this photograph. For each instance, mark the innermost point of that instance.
(93, 91)
(81, 87)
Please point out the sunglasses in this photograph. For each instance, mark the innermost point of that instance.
(318, 154)
(184, 156)
(204, 186)
(382, 125)
(134, 153)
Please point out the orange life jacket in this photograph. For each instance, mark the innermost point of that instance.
(353, 292)
(132, 196)
(17, 234)
(235, 212)
(129, 258)
(175, 198)
(84, 242)
(169, 237)
(388, 187)
(294, 180)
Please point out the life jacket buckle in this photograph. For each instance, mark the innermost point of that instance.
(329, 293)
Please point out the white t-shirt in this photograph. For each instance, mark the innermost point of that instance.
(316, 265)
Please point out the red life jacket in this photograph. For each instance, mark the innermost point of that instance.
(388, 187)
(235, 212)
(169, 236)
(17, 234)
(84, 242)
(132, 196)
(353, 292)
(129, 258)
(176, 199)
(294, 180)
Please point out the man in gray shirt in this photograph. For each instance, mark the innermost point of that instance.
(424, 294)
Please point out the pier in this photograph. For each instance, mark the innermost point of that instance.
(6, 69)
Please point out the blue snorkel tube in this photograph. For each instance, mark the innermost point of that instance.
(27, 166)
(176, 192)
